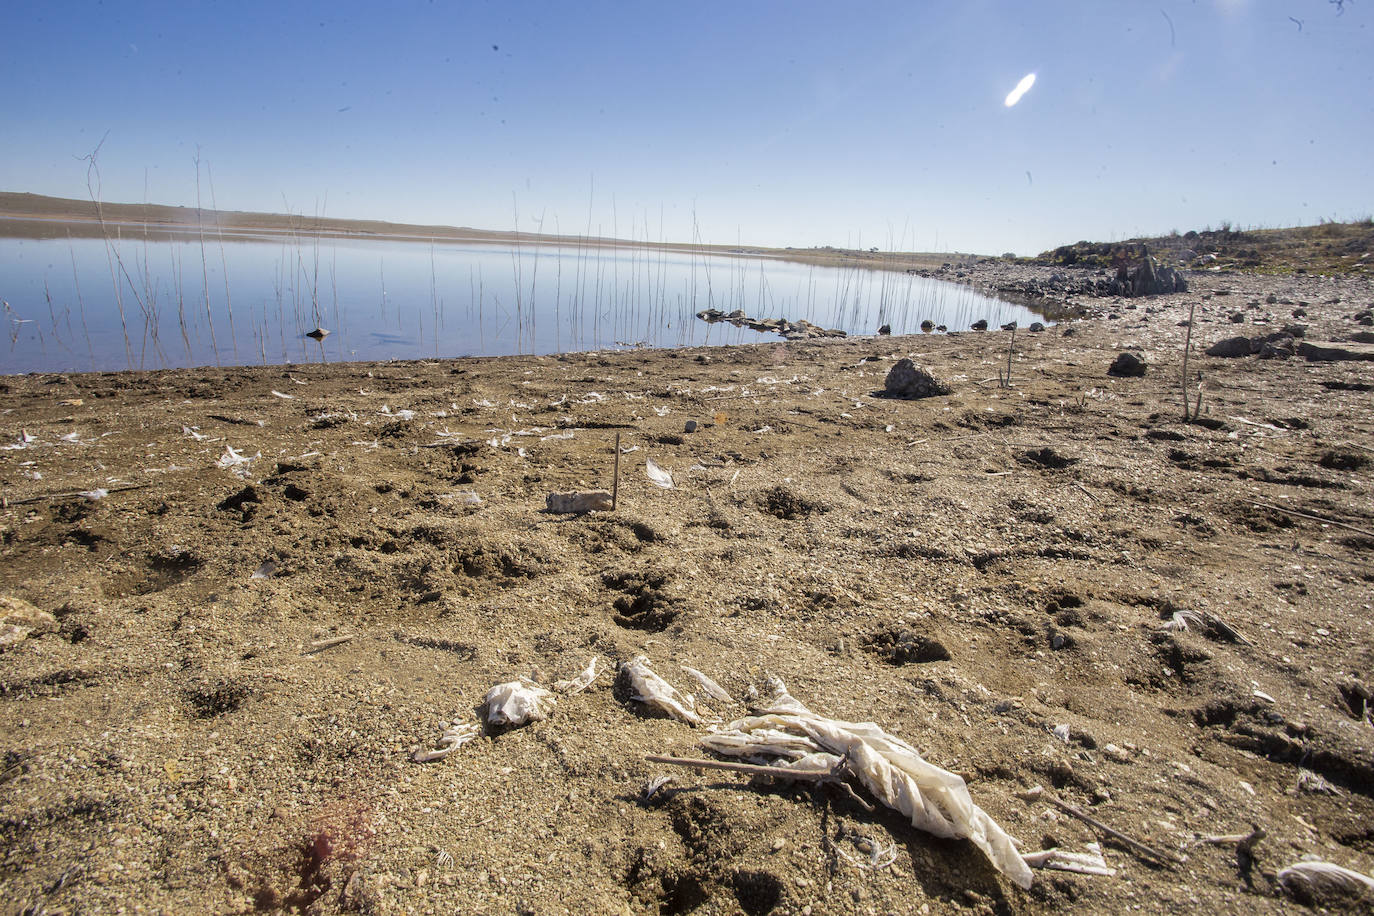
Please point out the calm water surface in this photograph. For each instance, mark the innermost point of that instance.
(126, 303)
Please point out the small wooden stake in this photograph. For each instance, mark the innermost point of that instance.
(615, 483)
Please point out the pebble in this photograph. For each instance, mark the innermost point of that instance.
(690, 426)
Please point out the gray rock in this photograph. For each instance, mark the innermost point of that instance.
(907, 380)
(1127, 365)
(1230, 347)
(1331, 352)
(1036, 327)
(690, 426)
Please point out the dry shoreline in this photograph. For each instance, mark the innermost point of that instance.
(969, 571)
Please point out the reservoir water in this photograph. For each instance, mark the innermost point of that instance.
(79, 304)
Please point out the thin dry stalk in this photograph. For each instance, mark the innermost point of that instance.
(1113, 832)
(1187, 345)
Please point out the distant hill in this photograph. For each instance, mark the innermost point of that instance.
(1327, 248)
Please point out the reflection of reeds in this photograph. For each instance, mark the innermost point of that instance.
(80, 300)
(204, 268)
(224, 264)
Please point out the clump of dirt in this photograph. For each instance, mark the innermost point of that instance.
(905, 647)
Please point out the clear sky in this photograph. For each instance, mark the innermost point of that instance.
(785, 123)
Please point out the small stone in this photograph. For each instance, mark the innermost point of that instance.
(690, 426)
(779, 844)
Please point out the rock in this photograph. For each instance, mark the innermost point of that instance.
(927, 326)
(317, 334)
(1036, 327)
(1230, 347)
(1127, 365)
(1332, 352)
(588, 501)
(885, 329)
(1363, 337)
(1295, 330)
(19, 620)
(980, 325)
(1069, 331)
(1236, 317)
(1299, 313)
(1276, 346)
(690, 426)
(906, 380)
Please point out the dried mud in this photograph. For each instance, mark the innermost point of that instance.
(970, 571)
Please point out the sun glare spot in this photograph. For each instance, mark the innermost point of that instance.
(1021, 89)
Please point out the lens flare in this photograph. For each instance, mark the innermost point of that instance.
(1021, 89)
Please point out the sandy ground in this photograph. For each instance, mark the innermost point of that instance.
(970, 571)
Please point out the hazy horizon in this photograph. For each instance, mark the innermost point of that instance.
(769, 125)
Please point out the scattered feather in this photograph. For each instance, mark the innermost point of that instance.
(1062, 733)
(656, 693)
(657, 475)
(581, 682)
(1083, 863)
(1317, 881)
(284, 397)
(454, 737)
(712, 689)
(93, 495)
(266, 571)
(231, 458)
(652, 787)
(934, 799)
(515, 703)
(1315, 784)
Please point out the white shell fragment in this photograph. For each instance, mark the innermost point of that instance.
(454, 737)
(935, 799)
(589, 501)
(514, 703)
(713, 690)
(657, 475)
(581, 682)
(656, 693)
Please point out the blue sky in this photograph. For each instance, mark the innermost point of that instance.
(800, 123)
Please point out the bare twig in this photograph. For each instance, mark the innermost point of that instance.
(1113, 832)
(1315, 518)
(819, 776)
(615, 480)
(69, 494)
(1187, 344)
(320, 645)
(1086, 492)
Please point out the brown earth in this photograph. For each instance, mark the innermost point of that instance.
(175, 744)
